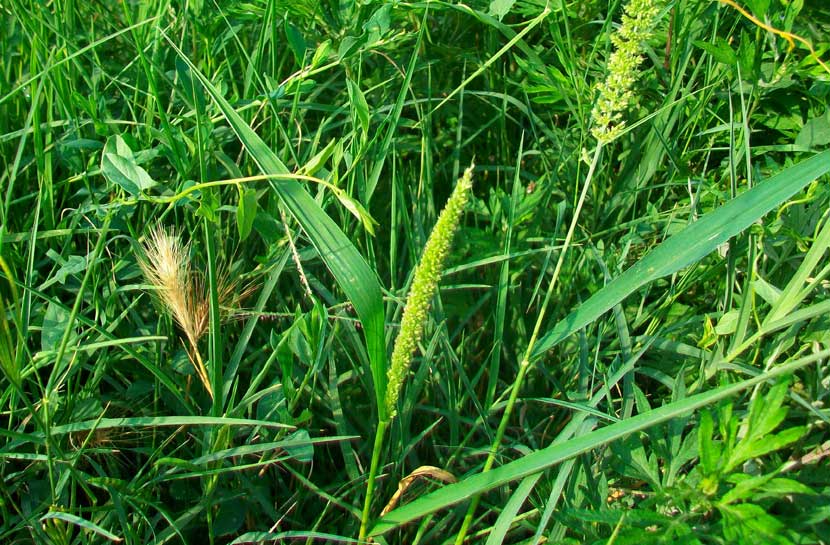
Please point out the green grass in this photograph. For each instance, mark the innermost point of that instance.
(628, 345)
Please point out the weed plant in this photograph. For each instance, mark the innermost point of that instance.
(213, 215)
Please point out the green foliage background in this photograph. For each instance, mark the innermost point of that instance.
(116, 117)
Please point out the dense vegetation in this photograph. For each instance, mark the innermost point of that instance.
(212, 213)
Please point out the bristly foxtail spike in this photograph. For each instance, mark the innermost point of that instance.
(424, 286)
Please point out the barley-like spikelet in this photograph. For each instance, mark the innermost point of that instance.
(166, 267)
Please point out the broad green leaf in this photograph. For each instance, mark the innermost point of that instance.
(354, 276)
(500, 8)
(319, 160)
(54, 324)
(815, 133)
(296, 41)
(119, 167)
(690, 245)
(721, 51)
(246, 212)
(378, 24)
(552, 455)
(728, 323)
(230, 518)
(359, 105)
(300, 446)
(766, 291)
(192, 94)
(73, 265)
(758, 7)
(321, 53)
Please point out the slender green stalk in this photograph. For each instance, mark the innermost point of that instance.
(526, 360)
(424, 285)
(615, 95)
(60, 372)
(380, 433)
(215, 320)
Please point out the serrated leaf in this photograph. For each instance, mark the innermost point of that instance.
(744, 488)
(747, 521)
(766, 444)
(781, 486)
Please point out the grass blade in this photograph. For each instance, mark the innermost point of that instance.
(690, 245)
(82, 523)
(354, 276)
(554, 454)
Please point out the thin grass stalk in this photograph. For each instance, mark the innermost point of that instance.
(614, 97)
(59, 371)
(525, 363)
(214, 329)
(421, 292)
(380, 435)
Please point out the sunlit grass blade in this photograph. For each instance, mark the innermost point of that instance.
(801, 284)
(276, 537)
(80, 522)
(154, 422)
(354, 276)
(550, 456)
(690, 245)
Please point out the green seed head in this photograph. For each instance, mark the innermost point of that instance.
(615, 93)
(424, 285)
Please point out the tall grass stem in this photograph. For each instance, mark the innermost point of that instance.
(526, 360)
